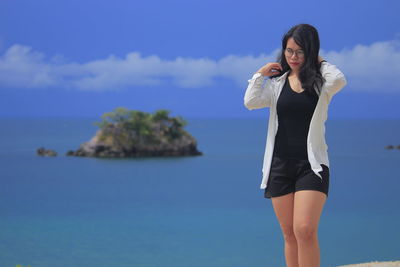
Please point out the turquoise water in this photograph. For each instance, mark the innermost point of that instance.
(187, 211)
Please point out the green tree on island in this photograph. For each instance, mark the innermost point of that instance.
(144, 125)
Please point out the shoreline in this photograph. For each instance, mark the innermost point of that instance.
(374, 264)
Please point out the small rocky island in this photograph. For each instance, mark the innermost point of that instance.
(42, 151)
(133, 133)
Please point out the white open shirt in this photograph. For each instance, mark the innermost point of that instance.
(264, 92)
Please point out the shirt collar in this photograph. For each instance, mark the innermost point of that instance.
(283, 76)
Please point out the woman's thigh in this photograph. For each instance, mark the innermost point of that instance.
(283, 207)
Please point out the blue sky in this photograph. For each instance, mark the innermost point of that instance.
(72, 58)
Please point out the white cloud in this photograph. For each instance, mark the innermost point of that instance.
(370, 68)
(21, 67)
(367, 67)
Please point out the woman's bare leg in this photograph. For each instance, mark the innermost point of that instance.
(308, 205)
(283, 207)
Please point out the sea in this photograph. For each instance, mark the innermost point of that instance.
(197, 211)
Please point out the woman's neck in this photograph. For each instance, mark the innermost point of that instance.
(293, 74)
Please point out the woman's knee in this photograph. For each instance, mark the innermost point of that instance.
(288, 233)
(305, 232)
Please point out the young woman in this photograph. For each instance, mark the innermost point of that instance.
(296, 165)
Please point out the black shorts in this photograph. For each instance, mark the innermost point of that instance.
(291, 175)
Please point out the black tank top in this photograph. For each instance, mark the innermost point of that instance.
(294, 111)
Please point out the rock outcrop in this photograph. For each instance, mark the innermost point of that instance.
(139, 134)
(46, 152)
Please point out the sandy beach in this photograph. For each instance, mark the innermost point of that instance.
(375, 264)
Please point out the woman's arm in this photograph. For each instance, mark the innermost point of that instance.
(258, 95)
(334, 78)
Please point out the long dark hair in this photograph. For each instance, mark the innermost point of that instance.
(305, 36)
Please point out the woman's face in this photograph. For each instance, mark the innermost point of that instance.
(294, 55)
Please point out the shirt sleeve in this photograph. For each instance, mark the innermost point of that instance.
(334, 78)
(258, 94)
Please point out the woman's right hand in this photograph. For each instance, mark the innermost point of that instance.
(270, 69)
